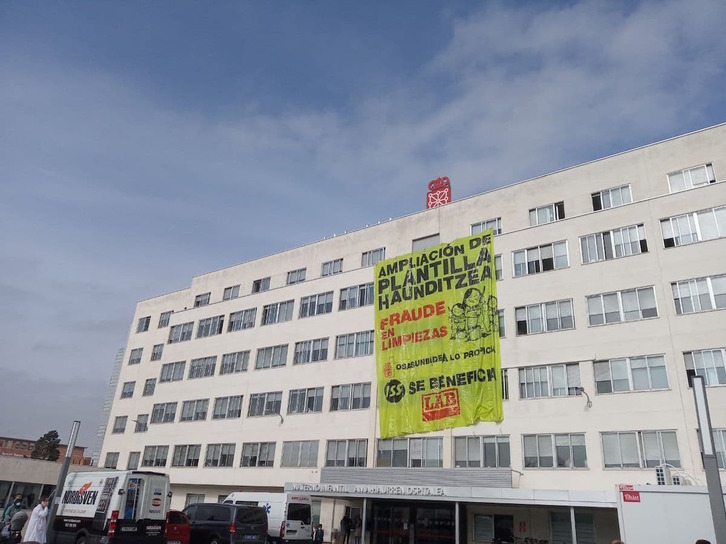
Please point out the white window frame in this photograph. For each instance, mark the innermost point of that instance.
(541, 446)
(143, 324)
(719, 443)
(371, 257)
(687, 178)
(265, 404)
(299, 454)
(555, 211)
(155, 456)
(699, 291)
(157, 351)
(685, 229)
(305, 401)
(351, 452)
(494, 224)
(355, 344)
(202, 367)
(319, 304)
(271, 357)
(202, 300)
(231, 292)
(277, 312)
(709, 363)
(611, 198)
(244, 319)
(330, 268)
(135, 356)
(119, 424)
(149, 387)
(220, 455)
(356, 296)
(616, 297)
(133, 461)
(232, 363)
(127, 390)
(111, 460)
(227, 407)
(142, 423)
(529, 261)
(194, 410)
(261, 285)
(543, 312)
(420, 452)
(210, 326)
(163, 412)
(549, 381)
(471, 451)
(613, 244)
(310, 351)
(164, 319)
(350, 396)
(186, 455)
(296, 276)
(258, 454)
(172, 372)
(181, 333)
(640, 437)
(604, 369)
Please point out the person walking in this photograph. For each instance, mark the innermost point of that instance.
(13, 508)
(38, 524)
(319, 534)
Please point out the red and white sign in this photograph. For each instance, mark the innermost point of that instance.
(156, 502)
(631, 496)
(625, 487)
(439, 192)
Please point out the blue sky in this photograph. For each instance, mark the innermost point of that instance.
(144, 143)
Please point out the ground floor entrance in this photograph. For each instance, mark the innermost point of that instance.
(421, 523)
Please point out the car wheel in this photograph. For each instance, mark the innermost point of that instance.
(81, 540)
(215, 540)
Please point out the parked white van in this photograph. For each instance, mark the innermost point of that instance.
(112, 507)
(289, 514)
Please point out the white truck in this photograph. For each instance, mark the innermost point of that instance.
(289, 515)
(112, 507)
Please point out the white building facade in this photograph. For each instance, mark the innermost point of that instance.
(611, 287)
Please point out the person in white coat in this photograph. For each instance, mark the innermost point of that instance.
(38, 524)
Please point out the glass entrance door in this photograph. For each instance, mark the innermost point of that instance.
(391, 525)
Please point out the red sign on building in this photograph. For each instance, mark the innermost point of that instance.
(439, 192)
(631, 496)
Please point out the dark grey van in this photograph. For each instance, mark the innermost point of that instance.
(213, 523)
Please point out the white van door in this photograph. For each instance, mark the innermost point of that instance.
(298, 520)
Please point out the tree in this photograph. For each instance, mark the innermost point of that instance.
(46, 447)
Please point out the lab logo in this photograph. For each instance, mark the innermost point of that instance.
(394, 391)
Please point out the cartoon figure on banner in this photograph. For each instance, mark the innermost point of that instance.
(475, 317)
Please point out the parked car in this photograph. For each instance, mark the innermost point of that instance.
(213, 523)
(177, 529)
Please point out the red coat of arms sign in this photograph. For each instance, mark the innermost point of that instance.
(439, 192)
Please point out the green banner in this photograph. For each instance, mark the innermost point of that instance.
(437, 338)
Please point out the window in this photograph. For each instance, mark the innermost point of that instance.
(502, 324)
(258, 454)
(694, 227)
(156, 352)
(689, 178)
(481, 451)
(149, 387)
(244, 319)
(172, 372)
(554, 451)
(611, 198)
(164, 412)
(164, 319)
(219, 455)
(321, 303)
(186, 455)
(300, 453)
(193, 498)
(310, 351)
(155, 456)
(265, 404)
(234, 362)
(346, 453)
(719, 442)
(708, 363)
(203, 367)
(641, 449)
(369, 258)
(498, 267)
(119, 424)
(134, 459)
(561, 527)
(613, 244)
(194, 410)
(141, 421)
(630, 305)
(227, 407)
(210, 326)
(505, 384)
(143, 324)
(700, 294)
(230, 292)
(331, 268)
(494, 224)
(546, 214)
(181, 333)
(201, 300)
(544, 317)
(549, 381)
(127, 390)
(410, 452)
(277, 313)
(304, 401)
(111, 460)
(497, 528)
(540, 259)
(271, 357)
(135, 356)
(356, 296)
(260, 285)
(355, 344)
(424, 243)
(296, 276)
(350, 396)
(642, 373)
